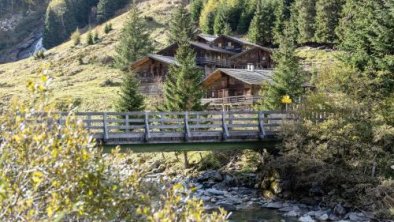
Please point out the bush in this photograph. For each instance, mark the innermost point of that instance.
(76, 37)
(108, 28)
(90, 38)
(96, 37)
(39, 55)
(55, 172)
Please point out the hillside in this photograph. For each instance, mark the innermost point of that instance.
(82, 74)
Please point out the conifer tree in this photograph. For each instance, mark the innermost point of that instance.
(181, 25)
(282, 17)
(107, 8)
(90, 38)
(195, 9)
(130, 98)
(221, 20)
(182, 90)
(207, 18)
(134, 42)
(306, 15)
(288, 76)
(261, 27)
(327, 19)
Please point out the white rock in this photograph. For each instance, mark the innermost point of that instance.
(306, 218)
(274, 205)
(323, 217)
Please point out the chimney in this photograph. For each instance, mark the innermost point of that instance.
(251, 67)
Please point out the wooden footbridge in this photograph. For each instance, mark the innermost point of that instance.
(169, 131)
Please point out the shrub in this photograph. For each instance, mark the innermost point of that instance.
(39, 55)
(96, 37)
(90, 38)
(52, 170)
(76, 37)
(108, 28)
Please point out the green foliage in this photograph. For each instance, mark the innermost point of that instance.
(90, 38)
(181, 26)
(53, 172)
(134, 41)
(305, 17)
(327, 19)
(221, 22)
(130, 98)
(108, 28)
(207, 18)
(288, 77)
(196, 7)
(76, 37)
(107, 8)
(96, 37)
(39, 55)
(182, 89)
(261, 27)
(282, 17)
(63, 17)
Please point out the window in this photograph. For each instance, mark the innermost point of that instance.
(220, 45)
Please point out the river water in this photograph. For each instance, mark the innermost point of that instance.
(259, 215)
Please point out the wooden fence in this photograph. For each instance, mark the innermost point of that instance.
(183, 127)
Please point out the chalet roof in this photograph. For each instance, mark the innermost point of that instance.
(164, 59)
(211, 48)
(256, 77)
(208, 38)
(249, 50)
(244, 42)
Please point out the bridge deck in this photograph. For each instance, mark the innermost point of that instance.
(148, 128)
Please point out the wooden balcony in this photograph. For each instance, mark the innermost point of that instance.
(209, 61)
(232, 100)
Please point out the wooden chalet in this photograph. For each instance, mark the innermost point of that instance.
(234, 68)
(151, 72)
(235, 87)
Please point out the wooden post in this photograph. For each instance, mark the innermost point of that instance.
(147, 133)
(187, 129)
(261, 125)
(105, 124)
(226, 134)
(127, 123)
(186, 159)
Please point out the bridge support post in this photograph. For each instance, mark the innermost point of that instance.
(187, 129)
(105, 127)
(147, 134)
(261, 125)
(226, 134)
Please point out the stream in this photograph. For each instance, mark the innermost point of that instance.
(258, 215)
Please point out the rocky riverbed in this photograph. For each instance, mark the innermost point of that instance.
(237, 194)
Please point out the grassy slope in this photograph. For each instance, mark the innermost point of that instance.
(84, 82)
(71, 80)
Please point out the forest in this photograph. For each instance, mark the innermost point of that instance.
(340, 167)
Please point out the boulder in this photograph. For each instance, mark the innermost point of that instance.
(216, 192)
(292, 213)
(306, 218)
(323, 217)
(359, 217)
(273, 205)
(339, 210)
(227, 206)
(210, 175)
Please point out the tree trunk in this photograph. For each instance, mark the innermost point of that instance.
(186, 160)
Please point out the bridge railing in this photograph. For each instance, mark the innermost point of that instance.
(180, 127)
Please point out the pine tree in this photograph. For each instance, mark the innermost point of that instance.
(288, 77)
(282, 16)
(306, 15)
(134, 42)
(261, 27)
(182, 89)
(107, 8)
(195, 9)
(327, 19)
(90, 38)
(207, 18)
(130, 98)
(221, 20)
(181, 25)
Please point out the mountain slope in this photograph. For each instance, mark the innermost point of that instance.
(83, 74)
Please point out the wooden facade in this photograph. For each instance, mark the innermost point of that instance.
(260, 58)
(213, 53)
